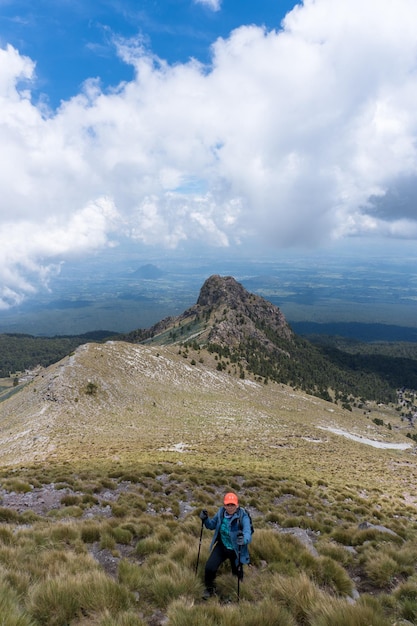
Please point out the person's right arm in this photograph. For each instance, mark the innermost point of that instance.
(208, 522)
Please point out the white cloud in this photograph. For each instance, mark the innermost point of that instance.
(297, 136)
(214, 5)
(30, 249)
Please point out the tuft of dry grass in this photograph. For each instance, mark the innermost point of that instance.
(336, 613)
(182, 612)
(11, 611)
(61, 600)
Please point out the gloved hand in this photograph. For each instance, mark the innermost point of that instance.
(240, 539)
(203, 515)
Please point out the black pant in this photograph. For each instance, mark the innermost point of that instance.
(218, 555)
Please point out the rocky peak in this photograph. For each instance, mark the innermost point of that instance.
(218, 290)
(242, 313)
(224, 314)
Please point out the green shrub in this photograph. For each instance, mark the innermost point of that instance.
(143, 530)
(131, 575)
(335, 552)
(406, 591)
(183, 552)
(169, 580)
(107, 483)
(353, 536)
(64, 533)
(267, 546)
(132, 501)
(54, 602)
(29, 517)
(91, 389)
(409, 610)
(131, 478)
(107, 541)
(298, 595)
(119, 511)
(68, 511)
(88, 498)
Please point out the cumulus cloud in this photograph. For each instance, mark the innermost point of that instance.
(293, 136)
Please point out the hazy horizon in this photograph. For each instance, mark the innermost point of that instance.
(137, 292)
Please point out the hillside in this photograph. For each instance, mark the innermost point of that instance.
(118, 437)
(110, 398)
(109, 455)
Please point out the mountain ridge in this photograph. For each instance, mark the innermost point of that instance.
(251, 332)
(224, 313)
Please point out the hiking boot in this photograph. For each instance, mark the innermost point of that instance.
(208, 593)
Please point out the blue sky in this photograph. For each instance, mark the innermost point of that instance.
(72, 41)
(212, 124)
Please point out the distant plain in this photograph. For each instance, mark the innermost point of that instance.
(322, 294)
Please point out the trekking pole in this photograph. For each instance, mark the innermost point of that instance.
(199, 546)
(239, 571)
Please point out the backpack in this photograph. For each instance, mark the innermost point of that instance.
(241, 511)
(252, 530)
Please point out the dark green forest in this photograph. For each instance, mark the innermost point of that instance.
(19, 352)
(318, 371)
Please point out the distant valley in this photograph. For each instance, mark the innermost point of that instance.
(374, 300)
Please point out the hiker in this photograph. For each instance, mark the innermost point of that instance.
(232, 533)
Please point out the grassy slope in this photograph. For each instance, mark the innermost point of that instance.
(167, 438)
(147, 399)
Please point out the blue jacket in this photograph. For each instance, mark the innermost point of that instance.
(214, 523)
